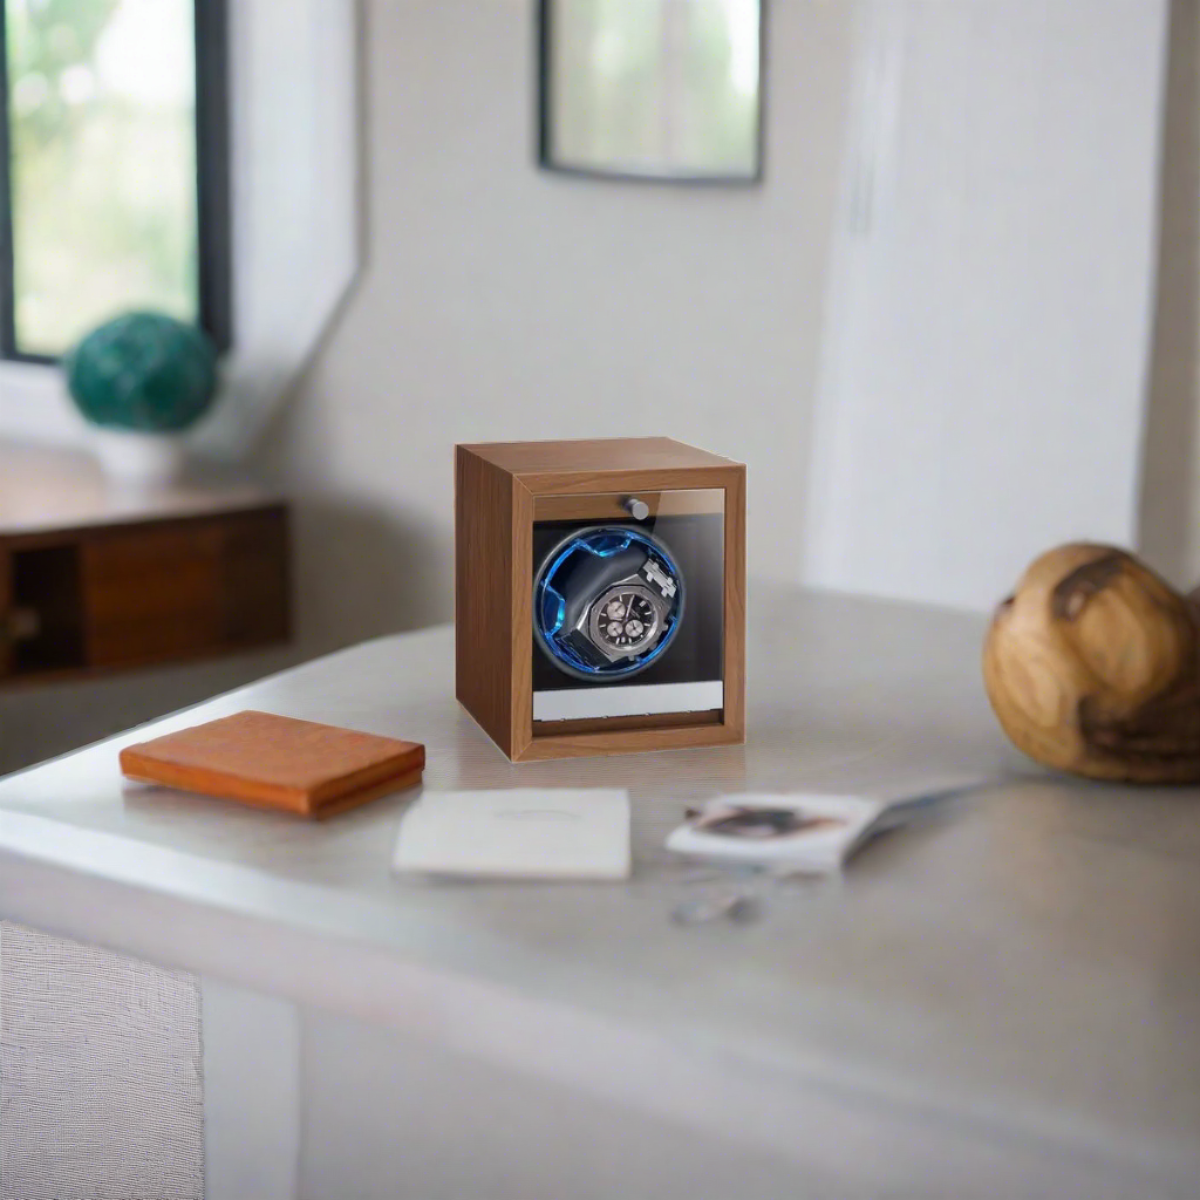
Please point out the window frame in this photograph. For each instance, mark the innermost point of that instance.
(213, 212)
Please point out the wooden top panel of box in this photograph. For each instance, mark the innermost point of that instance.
(597, 455)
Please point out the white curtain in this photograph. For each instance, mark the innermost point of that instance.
(985, 361)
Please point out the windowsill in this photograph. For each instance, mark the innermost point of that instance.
(294, 140)
(35, 407)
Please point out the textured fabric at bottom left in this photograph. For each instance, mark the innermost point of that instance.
(101, 1088)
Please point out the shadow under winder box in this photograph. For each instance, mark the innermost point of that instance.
(599, 595)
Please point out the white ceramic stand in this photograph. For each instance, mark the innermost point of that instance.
(137, 459)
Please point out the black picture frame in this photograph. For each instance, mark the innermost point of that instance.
(213, 206)
(544, 137)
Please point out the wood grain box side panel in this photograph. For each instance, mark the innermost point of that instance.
(483, 597)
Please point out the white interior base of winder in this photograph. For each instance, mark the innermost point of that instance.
(631, 700)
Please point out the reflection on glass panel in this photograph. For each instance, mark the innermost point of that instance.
(654, 87)
(102, 119)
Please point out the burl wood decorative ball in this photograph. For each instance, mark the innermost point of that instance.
(1093, 667)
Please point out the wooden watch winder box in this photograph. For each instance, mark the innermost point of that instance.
(600, 595)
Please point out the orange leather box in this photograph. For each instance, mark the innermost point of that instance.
(278, 762)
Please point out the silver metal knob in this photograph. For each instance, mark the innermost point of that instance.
(639, 510)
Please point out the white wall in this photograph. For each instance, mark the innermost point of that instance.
(984, 381)
(503, 302)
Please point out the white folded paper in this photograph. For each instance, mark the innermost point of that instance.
(798, 832)
(524, 833)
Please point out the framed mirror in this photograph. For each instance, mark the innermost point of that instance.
(652, 89)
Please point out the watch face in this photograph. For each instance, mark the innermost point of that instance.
(624, 619)
(608, 601)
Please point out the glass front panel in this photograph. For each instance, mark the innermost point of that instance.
(628, 599)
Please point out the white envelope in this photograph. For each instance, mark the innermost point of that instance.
(523, 833)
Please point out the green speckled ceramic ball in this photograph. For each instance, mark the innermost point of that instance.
(143, 371)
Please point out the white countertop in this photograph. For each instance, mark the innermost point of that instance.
(1013, 988)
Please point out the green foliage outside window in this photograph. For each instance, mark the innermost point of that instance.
(101, 102)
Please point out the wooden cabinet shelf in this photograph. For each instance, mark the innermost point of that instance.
(93, 577)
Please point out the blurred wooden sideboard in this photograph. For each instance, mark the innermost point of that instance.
(96, 577)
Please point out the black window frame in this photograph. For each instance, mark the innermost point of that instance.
(213, 213)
